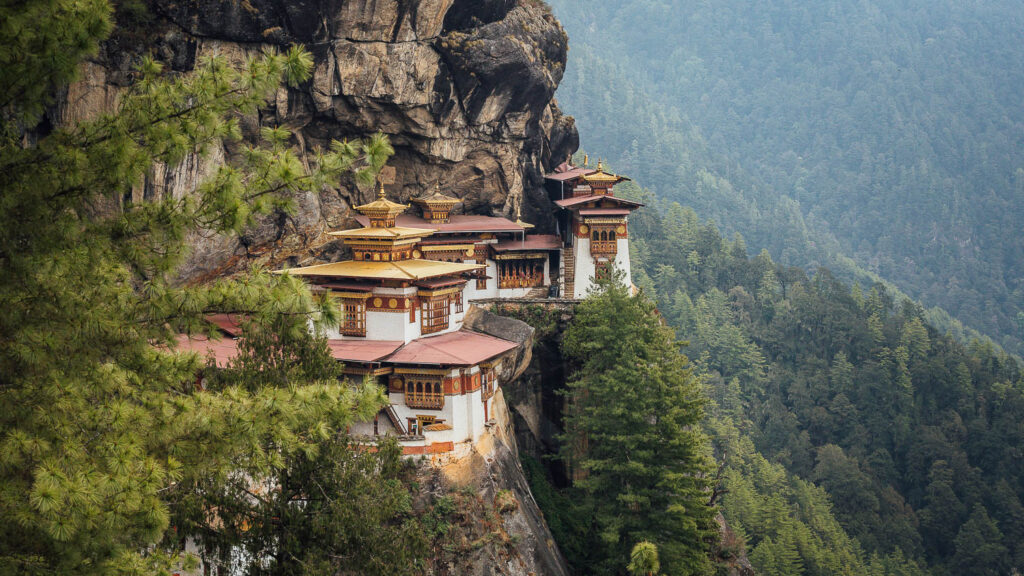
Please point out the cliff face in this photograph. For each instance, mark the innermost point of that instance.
(497, 526)
(462, 87)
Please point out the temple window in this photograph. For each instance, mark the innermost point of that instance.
(434, 314)
(487, 383)
(481, 281)
(603, 242)
(520, 273)
(424, 392)
(353, 317)
(458, 302)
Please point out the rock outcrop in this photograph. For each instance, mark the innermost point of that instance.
(498, 529)
(463, 88)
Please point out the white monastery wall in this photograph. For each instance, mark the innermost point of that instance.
(585, 267)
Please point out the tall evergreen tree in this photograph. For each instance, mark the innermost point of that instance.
(102, 426)
(633, 434)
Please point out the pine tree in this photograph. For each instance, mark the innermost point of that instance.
(633, 435)
(102, 425)
(979, 546)
(643, 560)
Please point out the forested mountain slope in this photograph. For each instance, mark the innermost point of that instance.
(856, 438)
(885, 130)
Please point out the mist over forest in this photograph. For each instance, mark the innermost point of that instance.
(883, 131)
(836, 205)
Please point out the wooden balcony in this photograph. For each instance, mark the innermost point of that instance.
(603, 247)
(429, 401)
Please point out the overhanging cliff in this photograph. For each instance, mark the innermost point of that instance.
(463, 89)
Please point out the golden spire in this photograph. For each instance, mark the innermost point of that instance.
(382, 212)
(601, 177)
(519, 220)
(586, 160)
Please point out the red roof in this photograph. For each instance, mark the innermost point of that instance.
(463, 348)
(604, 212)
(534, 242)
(228, 323)
(457, 223)
(563, 175)
(222, 350)
(362, 350)
(569, 202)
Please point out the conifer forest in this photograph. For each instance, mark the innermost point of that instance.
(512, 287)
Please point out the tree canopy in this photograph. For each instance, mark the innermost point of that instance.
(633, 437)
(857, 438)
(104, 428)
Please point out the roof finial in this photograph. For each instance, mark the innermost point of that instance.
(600, 164)
(519, 218)
(380, 188)
(586, 160)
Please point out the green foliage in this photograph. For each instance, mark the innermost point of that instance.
(543, 319)
(334, 508)
(505, 501)
(979, 546)
(568, 523)
(633, 439)
(903, 430)
(643, 560)
(325, 507)
(877, 139)
(104, 430)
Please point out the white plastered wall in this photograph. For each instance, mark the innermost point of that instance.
(464, 412)
(584, 276)
(397, 325)
(586, 265)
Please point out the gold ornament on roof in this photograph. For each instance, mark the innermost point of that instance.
(602, 177)
(519, 220)
(436, 206)
(382, 212)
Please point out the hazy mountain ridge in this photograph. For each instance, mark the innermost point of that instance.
(886, 131)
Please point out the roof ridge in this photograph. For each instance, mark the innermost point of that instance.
(407, 273)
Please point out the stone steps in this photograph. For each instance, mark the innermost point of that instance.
(538, 292)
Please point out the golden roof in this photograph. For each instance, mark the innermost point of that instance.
(392, 233)
(382, 207)
(437, 199)
(602, 176)
(402, 270)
